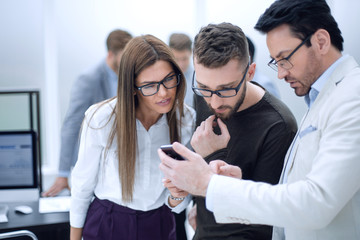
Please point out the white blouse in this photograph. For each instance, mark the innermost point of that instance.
(95, 175)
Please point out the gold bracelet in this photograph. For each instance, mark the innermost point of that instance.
(177, 198)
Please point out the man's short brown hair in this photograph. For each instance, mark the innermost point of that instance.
(117, 40)
(180, 42)
(216, 44)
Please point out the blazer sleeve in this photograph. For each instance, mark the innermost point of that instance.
(81, 98)
(311, 201)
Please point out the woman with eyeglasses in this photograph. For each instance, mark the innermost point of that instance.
(117, 187)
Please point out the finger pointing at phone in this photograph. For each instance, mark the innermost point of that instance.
(185, 174)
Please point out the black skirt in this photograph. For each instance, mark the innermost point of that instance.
(106, 220)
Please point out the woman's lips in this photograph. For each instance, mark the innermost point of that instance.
(164, 102)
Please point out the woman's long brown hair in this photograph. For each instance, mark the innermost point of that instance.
(140, 53)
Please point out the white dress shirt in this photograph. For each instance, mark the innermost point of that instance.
(97, 174)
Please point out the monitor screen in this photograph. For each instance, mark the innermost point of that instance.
(18, 163)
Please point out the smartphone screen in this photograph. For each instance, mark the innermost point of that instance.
(168, 150)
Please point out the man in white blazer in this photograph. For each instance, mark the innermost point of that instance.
(318, 196)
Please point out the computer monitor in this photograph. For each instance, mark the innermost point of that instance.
(19, 176)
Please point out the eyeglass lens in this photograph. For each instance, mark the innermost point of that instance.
(152, 88)
(220, 93)
(285, 63)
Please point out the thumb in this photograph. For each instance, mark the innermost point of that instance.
(231, 171)
(217, 165)
(184, 151)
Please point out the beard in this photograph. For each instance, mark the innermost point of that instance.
(233, 109)
(306, 80)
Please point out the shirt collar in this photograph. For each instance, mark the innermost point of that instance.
(319, 84)
(161, 122)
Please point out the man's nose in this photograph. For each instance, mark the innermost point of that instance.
(282, 72)
(216, 101)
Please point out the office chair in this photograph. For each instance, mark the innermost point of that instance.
(21, 233)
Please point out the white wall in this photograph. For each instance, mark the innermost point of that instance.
(83, 25)
(46, 44)
(21, 43)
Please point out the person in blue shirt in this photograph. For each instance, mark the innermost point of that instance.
(181, 46)
(260, 77)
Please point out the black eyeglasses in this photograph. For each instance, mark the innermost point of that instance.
(285, 62)
(223, 93)
(152, 88)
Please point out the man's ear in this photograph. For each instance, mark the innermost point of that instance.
(322, 41)
(251, 72)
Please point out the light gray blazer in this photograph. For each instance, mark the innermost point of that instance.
(91, 87)
(322, 197)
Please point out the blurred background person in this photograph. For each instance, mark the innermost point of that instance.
(181, 46)
(260, 77)
(95, 85)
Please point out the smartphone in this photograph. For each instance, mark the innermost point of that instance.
(168, 150)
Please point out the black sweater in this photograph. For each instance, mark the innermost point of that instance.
(260, 137)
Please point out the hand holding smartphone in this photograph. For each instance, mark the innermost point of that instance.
(168, 150)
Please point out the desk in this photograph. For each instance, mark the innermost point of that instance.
(45, 226)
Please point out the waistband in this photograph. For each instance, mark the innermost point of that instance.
(111, 206)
